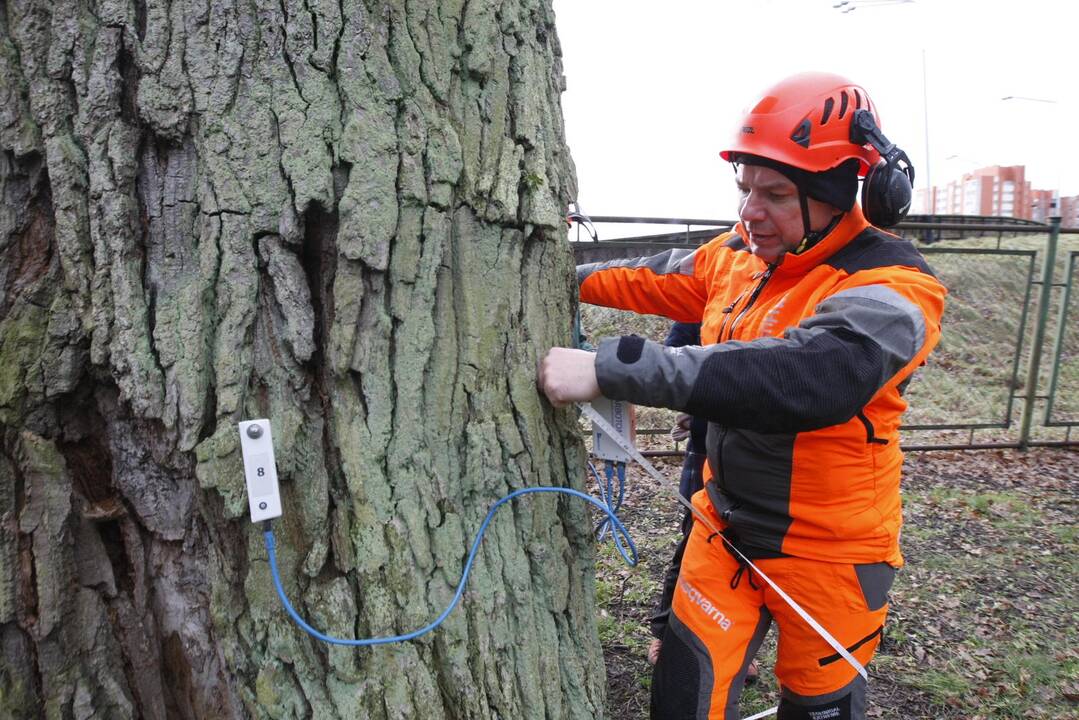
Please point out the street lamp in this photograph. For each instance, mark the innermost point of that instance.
(1055, 206)
(964, 158)
(849, 6)
(1048, 265)
(1030, 99)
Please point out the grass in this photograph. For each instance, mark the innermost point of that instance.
(993, 569)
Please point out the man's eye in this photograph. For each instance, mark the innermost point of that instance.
(779, 197)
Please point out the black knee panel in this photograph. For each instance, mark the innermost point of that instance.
(682, 678)
(839, 709)
(847, 703)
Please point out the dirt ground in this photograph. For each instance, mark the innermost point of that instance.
(984, 619)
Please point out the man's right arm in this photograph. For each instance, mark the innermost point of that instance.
(671, 284)
(820, 373)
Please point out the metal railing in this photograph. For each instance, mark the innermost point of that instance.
(981, 388)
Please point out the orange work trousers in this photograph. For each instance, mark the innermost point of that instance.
(722, 611)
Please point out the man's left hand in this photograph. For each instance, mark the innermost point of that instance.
(566, 376)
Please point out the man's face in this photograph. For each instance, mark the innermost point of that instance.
(772, 214)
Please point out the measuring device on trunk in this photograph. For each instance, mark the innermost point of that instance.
(619, 431)
(260, 470)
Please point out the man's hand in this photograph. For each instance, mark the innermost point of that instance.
(566, 376)
(680, 431)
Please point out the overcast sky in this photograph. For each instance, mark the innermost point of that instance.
(654, 89)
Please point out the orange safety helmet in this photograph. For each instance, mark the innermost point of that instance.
(805, 121)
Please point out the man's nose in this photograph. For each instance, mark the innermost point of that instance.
(752, 208)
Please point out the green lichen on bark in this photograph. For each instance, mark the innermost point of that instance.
(345, 216)
(22, 335)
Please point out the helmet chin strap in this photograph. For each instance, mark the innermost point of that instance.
(812, 237)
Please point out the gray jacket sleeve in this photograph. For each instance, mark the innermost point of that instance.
(676, 261)
(820, 373)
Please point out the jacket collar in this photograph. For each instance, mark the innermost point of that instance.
(849, 227)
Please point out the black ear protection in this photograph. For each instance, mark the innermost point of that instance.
(889, 185)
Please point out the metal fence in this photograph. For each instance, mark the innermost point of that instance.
(1011, 323)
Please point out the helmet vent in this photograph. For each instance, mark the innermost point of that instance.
(766, 104)
(828, 105)
(842, 104)
(801, 133)
(857, 100)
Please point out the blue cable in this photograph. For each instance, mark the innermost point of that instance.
(595, 474)
(613, 505)
(605, 493)
(630, 558)
(621, 485)
(608, 497)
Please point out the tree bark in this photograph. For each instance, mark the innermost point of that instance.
(345, 216)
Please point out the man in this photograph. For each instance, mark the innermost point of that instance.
(813, 321)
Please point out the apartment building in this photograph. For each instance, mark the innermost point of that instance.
(995, 190)
(1001, 191)
(1069, 211)
(1041, 205)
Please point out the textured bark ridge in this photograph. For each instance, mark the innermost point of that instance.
(342, 215)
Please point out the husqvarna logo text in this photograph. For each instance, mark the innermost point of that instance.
(705, 605)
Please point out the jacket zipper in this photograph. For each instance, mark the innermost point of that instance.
(764, 276)
(727, 313)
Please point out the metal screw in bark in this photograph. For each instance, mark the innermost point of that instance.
(254, 431)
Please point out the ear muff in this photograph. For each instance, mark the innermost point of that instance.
(888, 187)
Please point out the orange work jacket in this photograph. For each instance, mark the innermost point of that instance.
(800, 375)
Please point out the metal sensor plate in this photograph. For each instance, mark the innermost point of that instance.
(260, 470)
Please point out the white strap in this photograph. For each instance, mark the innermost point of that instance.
(595, 417)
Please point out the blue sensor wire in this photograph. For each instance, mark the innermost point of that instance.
(595, 475)
(611, 502)
(608, 496)
(605, 497)
(630, 557)
(621, 467)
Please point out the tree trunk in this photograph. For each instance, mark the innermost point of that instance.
(345, 216)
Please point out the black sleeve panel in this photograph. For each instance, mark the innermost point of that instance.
(796, 388)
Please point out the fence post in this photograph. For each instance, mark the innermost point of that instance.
(1058, 342)
(1031, 394)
